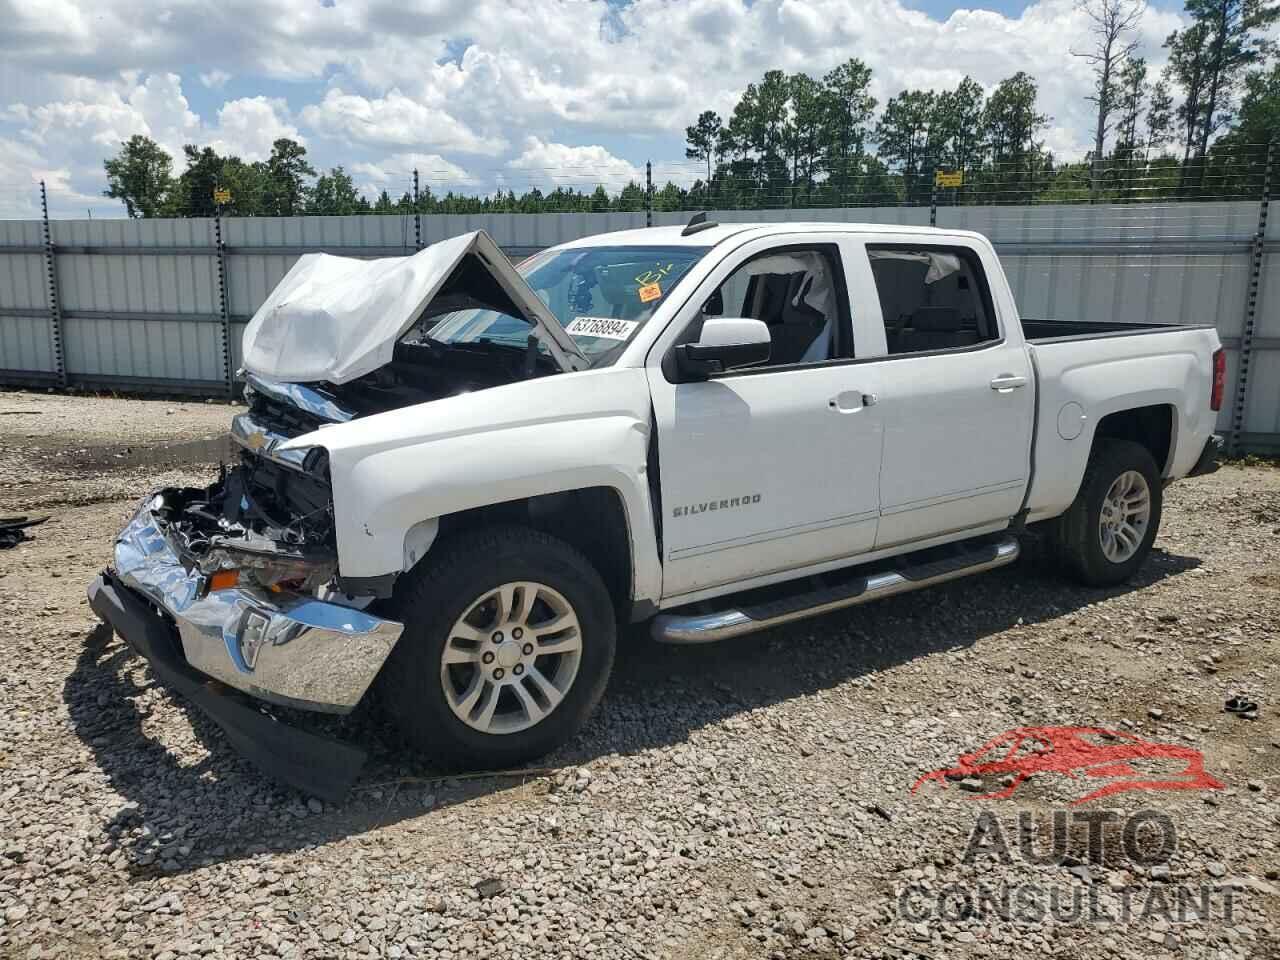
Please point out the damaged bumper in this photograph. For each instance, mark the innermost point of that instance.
(317, 765)
(276, 647)
(284, 648)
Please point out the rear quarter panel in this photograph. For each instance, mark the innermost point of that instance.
(1108, 374)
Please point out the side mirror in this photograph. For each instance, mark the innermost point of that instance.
(726, 343)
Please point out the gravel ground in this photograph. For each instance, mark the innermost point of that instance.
(751, 799)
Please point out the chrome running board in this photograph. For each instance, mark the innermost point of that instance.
(710, 627)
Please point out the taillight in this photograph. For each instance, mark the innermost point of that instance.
(1219, 379)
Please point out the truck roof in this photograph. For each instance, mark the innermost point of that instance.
(672, 236)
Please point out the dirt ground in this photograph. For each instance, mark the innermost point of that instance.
(751, 799)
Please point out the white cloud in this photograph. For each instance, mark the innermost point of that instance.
(215, 79)
(106, 113)
(21, 170)
(249, 126)
(395, 175)
(580, 167)
(393, 120)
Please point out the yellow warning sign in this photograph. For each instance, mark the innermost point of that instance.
(948, 178)
(221, 195)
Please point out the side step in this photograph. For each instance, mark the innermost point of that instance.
(710, 627)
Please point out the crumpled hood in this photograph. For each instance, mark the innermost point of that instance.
(338, 318)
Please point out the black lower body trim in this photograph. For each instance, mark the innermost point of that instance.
(317, 765)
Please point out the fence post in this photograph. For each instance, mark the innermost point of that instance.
(228, 375)
(417, 214)
(1241, 403)
(51, 297)
(933, 202)
(648, 193)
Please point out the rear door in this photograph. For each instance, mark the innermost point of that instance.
(772, 469)
(956, 394)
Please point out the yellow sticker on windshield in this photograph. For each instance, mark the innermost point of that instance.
(659, 272)
(650, 291)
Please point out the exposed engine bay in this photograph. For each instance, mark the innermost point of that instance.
(271, 524)
(270, 516)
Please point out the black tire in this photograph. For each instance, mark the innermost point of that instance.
(453, 576)
(1074, 537)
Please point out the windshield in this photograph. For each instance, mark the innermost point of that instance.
(601, 295)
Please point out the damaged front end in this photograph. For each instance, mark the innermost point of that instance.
(233, 592)
(236, 583)
(268, 521)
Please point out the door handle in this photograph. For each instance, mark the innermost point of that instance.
(1007, 382)
(851, 401)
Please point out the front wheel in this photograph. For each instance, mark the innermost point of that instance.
(508, 643)
(1107, 532)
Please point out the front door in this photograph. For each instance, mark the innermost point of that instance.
(775, 468)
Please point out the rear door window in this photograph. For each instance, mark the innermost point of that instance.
(932, 298)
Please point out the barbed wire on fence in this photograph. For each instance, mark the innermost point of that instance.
(1230, 172)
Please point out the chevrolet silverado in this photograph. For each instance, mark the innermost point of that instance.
(460, 479)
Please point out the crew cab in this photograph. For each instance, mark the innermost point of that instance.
(459, 480)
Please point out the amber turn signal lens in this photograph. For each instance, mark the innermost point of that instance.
(224, 580)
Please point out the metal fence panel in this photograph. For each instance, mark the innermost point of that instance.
(237, 345)
(251, 278)
(1268, 322)
(1137, 223)
(904, 216)
(253, 271)
(130, 281)
(26, 344)
(1262, 416)
(316, 232)
(142, 303)
(180, 350)
(1155, 288)
(22, 281)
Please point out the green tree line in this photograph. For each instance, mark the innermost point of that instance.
(1197, 131)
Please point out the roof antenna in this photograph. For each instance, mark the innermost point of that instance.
(697, 223)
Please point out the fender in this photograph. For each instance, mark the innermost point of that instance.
(1175, 379)
(396, 472)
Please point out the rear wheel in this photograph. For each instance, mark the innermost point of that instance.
(508, 642)
(1107, 532)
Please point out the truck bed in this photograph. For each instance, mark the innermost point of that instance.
(1087, 370)
(1054, 331)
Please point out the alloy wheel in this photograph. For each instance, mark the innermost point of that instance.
(511, 658)
(1126, 511)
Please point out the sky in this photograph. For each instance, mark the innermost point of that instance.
(478, 94)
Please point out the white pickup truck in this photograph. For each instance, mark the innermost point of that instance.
(460, 479)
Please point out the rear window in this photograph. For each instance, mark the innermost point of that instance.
(601, 295)
(932, 298)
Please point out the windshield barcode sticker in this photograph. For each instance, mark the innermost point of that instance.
(605, 327)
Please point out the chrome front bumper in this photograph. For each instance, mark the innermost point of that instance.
(287, 649)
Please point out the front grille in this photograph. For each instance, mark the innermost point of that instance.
(282, 417)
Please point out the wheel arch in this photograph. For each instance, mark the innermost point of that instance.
(1149, 426)
(593, 520)
(1152, 422)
